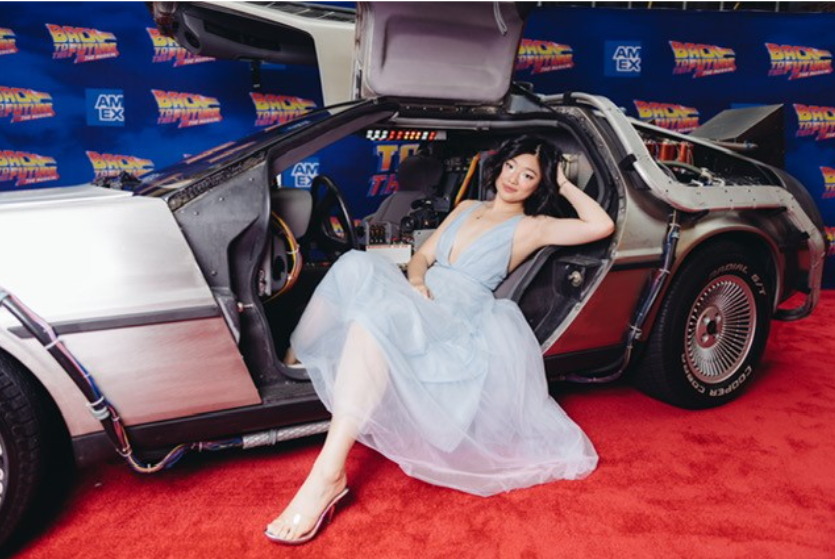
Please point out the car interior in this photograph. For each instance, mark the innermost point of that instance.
(310, 228)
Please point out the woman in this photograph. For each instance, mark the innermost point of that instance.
(434, 372)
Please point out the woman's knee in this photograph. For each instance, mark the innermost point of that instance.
(354, 265)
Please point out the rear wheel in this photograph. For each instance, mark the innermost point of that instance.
(710, 331)
(23, 428)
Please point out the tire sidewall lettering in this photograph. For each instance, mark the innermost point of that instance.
(740, 269)
(720, 390)
(737, 268)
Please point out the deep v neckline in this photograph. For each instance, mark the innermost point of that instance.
(462, 222)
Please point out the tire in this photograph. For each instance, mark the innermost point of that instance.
(711, 329)
(23, 425)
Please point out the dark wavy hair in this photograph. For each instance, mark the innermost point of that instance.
(545, 199)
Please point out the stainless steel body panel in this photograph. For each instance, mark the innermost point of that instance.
(713, 198)
(606, 317)
(608, 314)
(165, 371)
(106, 256)
(753, 224)
(97, 257)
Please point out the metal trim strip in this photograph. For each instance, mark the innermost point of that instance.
(125, 321)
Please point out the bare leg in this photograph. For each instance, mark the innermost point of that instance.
(360, 382)
(324, 482)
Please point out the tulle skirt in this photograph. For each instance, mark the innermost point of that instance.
(452, 389)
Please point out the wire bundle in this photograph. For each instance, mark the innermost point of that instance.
(98, 405)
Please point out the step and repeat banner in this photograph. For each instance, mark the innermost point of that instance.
(679, 69)
(89, 90)
(92, 89)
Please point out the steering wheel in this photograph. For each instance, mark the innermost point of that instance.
(327, 197)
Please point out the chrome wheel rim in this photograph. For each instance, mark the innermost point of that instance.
(720, 329)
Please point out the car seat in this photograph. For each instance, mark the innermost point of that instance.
(418, 175)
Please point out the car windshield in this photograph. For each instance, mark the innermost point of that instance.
(192, 168)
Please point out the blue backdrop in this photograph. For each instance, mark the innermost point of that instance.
(90, 90)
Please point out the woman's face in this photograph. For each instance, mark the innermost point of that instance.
(519, 178)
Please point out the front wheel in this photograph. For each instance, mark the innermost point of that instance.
(23, 429)
(711, 329)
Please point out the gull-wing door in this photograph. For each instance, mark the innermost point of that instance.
(462, 51)
(276, 32)
(458, 51)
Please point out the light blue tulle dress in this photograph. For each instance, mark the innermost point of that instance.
(452, 389)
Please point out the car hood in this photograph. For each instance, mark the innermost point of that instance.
(61, 195)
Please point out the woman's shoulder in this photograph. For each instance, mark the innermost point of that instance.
(464, 204)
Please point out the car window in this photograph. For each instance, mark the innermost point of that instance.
(364, 164)
(196, 166)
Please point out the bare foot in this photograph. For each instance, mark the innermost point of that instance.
(301, 515)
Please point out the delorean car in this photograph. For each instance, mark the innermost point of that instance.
(149, 317)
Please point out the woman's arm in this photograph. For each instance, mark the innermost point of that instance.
(592, 222)
(424, 257)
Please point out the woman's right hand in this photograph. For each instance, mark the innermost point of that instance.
(422, 289)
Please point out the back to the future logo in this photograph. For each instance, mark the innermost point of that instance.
(814, 120)
(543, 56)
(702, 60)
(671, 116)
(112, 165)
(278, 109)
(186, 109)
(7, 41)
(623, 59)
(166, 49)
(828, 182)
(798, 62)
(23, 104)
(85, 44)
(830, 237)
(26, 168)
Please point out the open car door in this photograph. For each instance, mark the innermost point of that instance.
(459, 51)
(462, 51)
(277, 32)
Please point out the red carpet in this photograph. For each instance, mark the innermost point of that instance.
(755, 478)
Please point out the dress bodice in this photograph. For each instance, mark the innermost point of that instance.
(485, 259)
